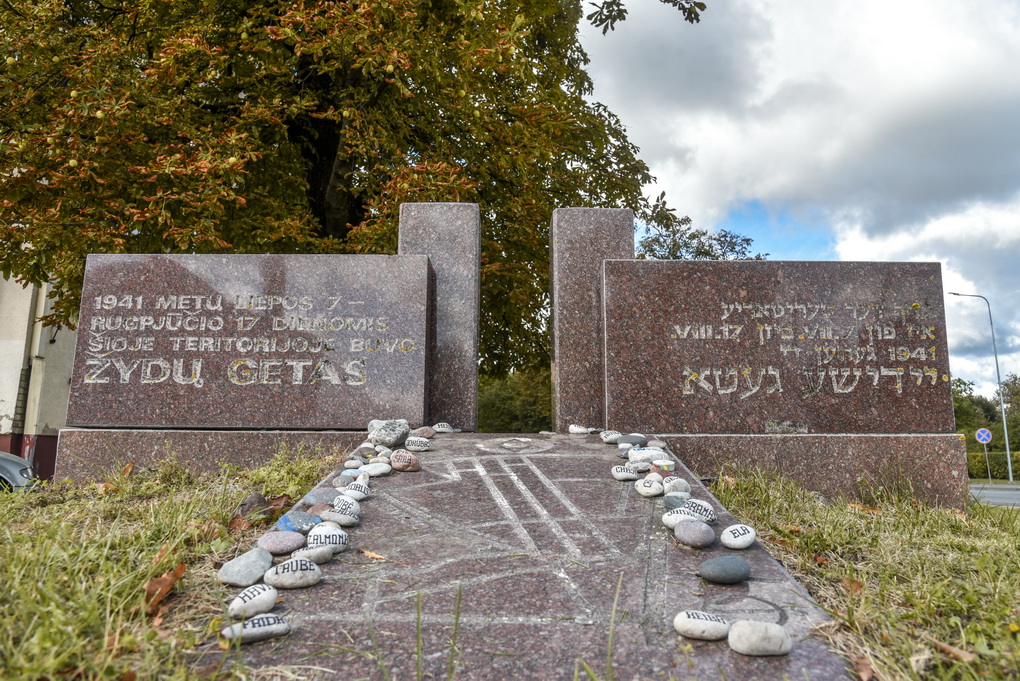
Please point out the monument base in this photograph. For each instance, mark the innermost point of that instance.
(844, 465)
(86, 453)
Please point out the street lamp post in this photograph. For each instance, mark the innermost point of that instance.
(998, 378)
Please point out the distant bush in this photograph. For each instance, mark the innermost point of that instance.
(976, 467)
(520, 402)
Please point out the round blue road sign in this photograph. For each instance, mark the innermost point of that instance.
(983, 435)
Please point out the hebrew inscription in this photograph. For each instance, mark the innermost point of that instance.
(842, 347)
(258, 341)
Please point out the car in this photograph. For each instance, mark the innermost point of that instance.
(15, 473)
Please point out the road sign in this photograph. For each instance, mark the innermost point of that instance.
(984, 436)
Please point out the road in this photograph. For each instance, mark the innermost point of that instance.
(997, 495)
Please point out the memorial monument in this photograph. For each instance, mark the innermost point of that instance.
(225, 357)
(834, 373)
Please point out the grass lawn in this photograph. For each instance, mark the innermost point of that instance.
(94, 588)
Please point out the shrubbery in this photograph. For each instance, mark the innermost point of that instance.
(977, 468)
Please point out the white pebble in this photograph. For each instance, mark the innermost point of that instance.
(648, 488)
(319, 555)
(295, 573)
(610, 436)
(624, 473)
(750, 637)
(737, 536)
(702, 509)
(257, 629)
(672, 517)
(676, 484)
(254, 600)
(700, 625)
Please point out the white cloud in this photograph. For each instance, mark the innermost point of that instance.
(893, 123)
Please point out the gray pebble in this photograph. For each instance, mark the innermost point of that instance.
(374, 470)
(676, 484)
(247, 568)
(725, 570)
(624, 473)
(610, 436)
(635, 439)
(692, 532)
(297, 521)
(319, 555)
(702, 509)
(750, 637)
(673, 500)
(281, 542)
(321, 495)
(296, 573)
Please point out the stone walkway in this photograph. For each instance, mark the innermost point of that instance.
(534, 535)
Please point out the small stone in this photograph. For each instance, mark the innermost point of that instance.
(247, 568)
(357, 491)
(671, 500)
(702, 509)
(674, 515)
(317, 509)
(296, 573)
(336, 539)
(737, 536)
(354, 462)
(417, 444)
(379, 459)
(621, 451)
(654, 477)
(692, 532)
(657, 443)
(319, 555)
(321, 495)
(640, 466)
(641, 454)
(405, 461)
(425, 432)
(750, 637)
(254, 600)
(700, 625)
(390, 433)
(281, 542)
(382, 451)
(252, 503)
(257, 628)
(610, 436)
(575, 429)
(674, 483)
(636, 439)
(648, 488)
(346, 477)
(297, 521)
(725, 569)
(624, 473)
(346, 505)
(443, 427)
(375, 470)
(341, 519)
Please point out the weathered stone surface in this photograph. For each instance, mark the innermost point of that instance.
(777, 347)
(751, 637)
(281, 542)
(581, 239)
(254, 600)
(450, 234)
(251, 341)
(701, 625)
(725, 569)
(246, 569)
(537, 533)
(296, 573)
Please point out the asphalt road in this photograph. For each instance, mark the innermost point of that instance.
(997, 495)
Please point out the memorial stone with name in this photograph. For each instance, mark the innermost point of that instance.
(776, 347)
(299, 342)
(834, 373)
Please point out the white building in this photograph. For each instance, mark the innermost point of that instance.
(35, 375)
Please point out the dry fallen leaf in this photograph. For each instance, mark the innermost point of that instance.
(821, 560)
(952, 651)
(864, 509)
(157, 588)
(238, 524)
(126, 471)
(376, 556)
(851, 585)
(105, 488)
(210, 529)
(862, 666)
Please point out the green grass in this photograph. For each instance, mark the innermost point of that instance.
(916, 592)
(74, 560)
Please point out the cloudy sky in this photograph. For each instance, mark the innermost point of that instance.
(841, 130)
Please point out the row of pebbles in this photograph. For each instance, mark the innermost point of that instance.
(289, 556)
(691, 520)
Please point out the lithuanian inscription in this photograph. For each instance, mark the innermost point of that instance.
(744, 345)
(251, 341)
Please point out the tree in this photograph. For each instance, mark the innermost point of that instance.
(969, 416)
(673, 238)
(272, 126)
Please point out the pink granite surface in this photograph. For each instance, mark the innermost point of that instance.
(450, 234)
(581, 239)
(849, 466)
(776, 347)
(251, 341)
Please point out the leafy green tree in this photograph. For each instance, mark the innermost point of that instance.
(271, 126)
(670, 237)
(969, 416)
(520, 402)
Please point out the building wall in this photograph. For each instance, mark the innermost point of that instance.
(35, 376)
